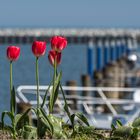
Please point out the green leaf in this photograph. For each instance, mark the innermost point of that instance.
(66, 108)
(9, 114)
(20, 123)
(17, 117)
(45, 120)
(35, 110)
(82, 118)
(21, 118)
(57, 126)
(135, 133)
(13, 101)
(8, 128)
(29, 132)
(136, 123)
(44, 99)
(123, 131)
(54, 93)
(118, 122)
(113, 127)
(72, 119)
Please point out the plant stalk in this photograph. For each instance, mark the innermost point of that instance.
(11, 82)
(66, 104)
(38, 104)
(37, 82)
(11, 88)
(54, 78)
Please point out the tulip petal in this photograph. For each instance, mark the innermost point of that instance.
(39, 48)
(54, 55)
(13, 53)
(58, 43)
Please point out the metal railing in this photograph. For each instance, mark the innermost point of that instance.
(130, 105)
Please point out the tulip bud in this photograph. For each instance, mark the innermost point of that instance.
(13, 53)
(58, 43)
(54, 56)
(39, 48)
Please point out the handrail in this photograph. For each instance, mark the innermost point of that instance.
(100, 90)
(79, 88)
(86, 101)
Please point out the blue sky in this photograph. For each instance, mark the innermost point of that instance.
(70, 13)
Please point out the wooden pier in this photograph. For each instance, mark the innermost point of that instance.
(76, 36)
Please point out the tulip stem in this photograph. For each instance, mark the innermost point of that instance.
(11, 84)
(54, 73)
(37, 82)
(54, 78)
(11, 78)
(11, 105)
(38, 105)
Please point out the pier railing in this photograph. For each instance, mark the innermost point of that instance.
(97, 97)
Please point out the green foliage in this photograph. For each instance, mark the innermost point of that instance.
(13, 101)
(84, 129)
(82, 118)
(11, 115)
(119, 124)
(28, 132)
(123, 131)
(135, 133)
(136, 123)
(16, 122)
(87, 132)
(46, 122)
(21, 120)
(8, 127)
(46, 93)
(72, 116)
(54, 93)
(57, 126)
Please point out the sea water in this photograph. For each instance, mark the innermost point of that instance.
(73, 65)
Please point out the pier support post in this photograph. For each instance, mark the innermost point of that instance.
(86, 82)
(111, 80)
(90, 59)
(122, 48)
(118, 50)
(129, 46)
(97, 76)
(112, 51)
(72, 93)
(99, 59)
(106, 53)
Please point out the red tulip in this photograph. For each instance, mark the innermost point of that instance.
(39, 48)
(58, 43)
(13, 53)
(53, 55)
